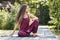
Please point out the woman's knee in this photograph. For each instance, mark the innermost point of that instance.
(36, 21)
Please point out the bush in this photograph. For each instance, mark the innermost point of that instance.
(7, 19)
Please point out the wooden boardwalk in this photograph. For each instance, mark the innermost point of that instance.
(47, 35)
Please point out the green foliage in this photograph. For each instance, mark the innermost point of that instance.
(44, 14)
(7, 19)
(55, 13)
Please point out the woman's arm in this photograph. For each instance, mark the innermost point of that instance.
(32, 18)
(14, 29)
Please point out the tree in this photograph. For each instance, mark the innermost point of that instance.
(54, 6)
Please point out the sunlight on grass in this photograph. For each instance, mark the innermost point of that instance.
(51, 27)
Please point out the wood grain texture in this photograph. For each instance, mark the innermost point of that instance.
(46, 35)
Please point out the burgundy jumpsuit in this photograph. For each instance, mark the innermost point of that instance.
(25, 29)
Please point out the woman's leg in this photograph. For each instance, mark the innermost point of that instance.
(32, 28)
(35, 26)
(22, 33)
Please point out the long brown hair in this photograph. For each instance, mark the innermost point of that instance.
(20, 15)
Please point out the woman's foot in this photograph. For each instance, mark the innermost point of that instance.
(35, 34)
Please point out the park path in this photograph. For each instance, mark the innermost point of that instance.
(46, 35)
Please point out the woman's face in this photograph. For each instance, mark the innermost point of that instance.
(27, 9)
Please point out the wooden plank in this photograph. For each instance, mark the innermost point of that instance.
(47, 35)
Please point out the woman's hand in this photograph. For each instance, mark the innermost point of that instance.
(14, 29)
(11, 33)
(35, 18)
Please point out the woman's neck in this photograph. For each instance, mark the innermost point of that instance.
(25, 15)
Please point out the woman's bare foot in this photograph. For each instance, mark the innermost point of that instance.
(35, 34)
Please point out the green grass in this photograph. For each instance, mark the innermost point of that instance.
(56, 32)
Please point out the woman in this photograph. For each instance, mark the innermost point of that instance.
(25, 24)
